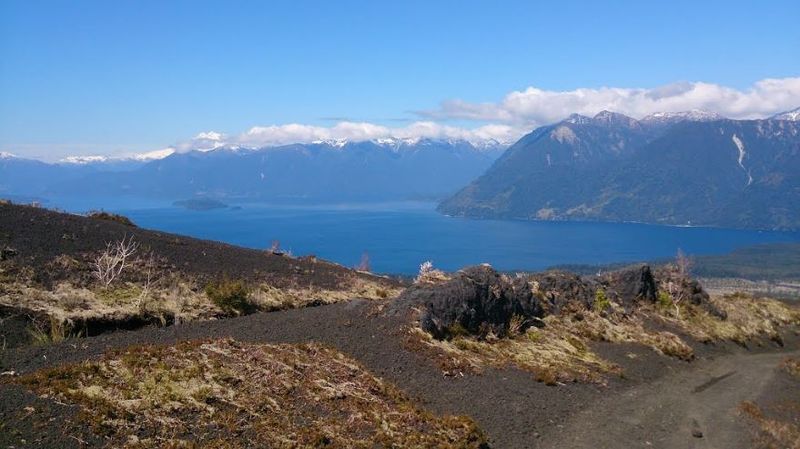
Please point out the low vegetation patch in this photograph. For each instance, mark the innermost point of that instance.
(108, 216)
(746, 318)
(224, 393)
(126, 283)
(232, 297)
(771, 432)
(557, 352)
(791, 366)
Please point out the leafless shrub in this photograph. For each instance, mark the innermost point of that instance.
(516, 325)
(682, 266)
(113, 260)
(683, 263)
(428, 274)
(149, 282)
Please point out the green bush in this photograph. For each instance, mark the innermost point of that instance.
(601, 301)
(664, 300)
(233, 297)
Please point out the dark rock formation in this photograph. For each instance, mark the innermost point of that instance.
(476, 301)
(479, 300)
(630, 285)
(561, 289)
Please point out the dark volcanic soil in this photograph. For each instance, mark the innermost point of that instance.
(510, 404)
(40, 235)
(658, 403)
(515, 410)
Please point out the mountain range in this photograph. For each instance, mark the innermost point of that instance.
(379, 170)
(676, 168)
(692, 168)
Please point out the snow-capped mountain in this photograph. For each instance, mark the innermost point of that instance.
(5, 155)
(325, 170)
(793, 115)
(694, 115)
(153, 155)
(99, 159)
(84, 160)
(608, 118)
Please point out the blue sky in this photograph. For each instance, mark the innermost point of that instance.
(116, 76)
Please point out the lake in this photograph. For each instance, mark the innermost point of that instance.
(399, 236)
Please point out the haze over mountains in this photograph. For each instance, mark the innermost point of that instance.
(682, 168)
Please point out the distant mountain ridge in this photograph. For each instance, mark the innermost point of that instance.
(689, 168)
(340, 170)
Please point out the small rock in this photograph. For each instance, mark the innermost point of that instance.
(696, 432)
(7, 253)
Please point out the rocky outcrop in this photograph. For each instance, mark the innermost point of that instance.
(629, 286)
(477, 300)
(561, 289)
(684, 289)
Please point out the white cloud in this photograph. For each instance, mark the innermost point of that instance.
(203, 142)
(533, 106)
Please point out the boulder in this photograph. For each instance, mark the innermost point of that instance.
(7, 253)
(631, 285)
(562, 289)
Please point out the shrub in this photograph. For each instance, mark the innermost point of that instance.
(664, 300)
(113, 261)
(233, 297)
(457, 330)
(55, 331)
(517, 325)
(429, 274)
(601, 301)
(547, 376)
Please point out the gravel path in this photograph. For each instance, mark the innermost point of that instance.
(694, 408)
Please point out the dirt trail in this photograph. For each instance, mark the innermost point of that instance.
(694, 408)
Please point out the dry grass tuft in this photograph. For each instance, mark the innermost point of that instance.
(560, 350)
(556, 353)
(747, 318)
(151, 292)
(245, 395)
(268, 298)
(791, 366)
(771, 433)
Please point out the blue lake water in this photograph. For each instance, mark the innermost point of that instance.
(399, 236)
